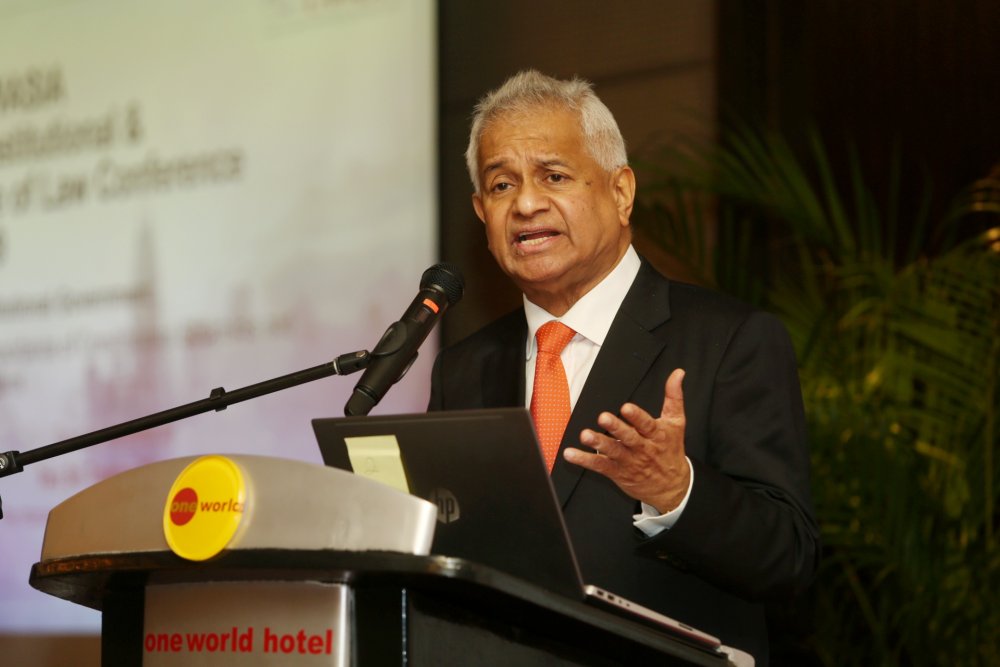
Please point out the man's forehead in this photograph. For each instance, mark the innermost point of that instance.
(505, 159)
(543, 138)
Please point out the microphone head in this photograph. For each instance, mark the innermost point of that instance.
(446, 278)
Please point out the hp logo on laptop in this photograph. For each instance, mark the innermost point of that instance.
(448, 509)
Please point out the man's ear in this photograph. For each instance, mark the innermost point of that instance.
(477, 204)
(623, 189)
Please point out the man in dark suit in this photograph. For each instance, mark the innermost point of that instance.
(683, 470)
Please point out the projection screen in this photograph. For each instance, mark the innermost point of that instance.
(197, 195)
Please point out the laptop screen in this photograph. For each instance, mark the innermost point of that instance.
(484, 470)
(496, 505)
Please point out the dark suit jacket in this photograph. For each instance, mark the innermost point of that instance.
(748, 532)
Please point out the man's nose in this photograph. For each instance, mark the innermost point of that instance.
(531, 199)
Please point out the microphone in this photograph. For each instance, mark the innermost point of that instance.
(441, 286)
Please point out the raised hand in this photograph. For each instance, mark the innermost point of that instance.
(642, 454)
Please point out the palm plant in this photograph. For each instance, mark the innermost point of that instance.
(896, 324)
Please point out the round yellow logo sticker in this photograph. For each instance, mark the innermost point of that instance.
(204, 507)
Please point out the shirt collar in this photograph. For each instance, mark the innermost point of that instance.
(592, 315)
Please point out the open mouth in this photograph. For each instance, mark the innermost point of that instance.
(536, 237)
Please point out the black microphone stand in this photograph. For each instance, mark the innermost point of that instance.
(219, 399)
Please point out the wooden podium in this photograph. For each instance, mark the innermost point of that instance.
(324, 568)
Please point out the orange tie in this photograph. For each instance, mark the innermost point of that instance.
(550, 393)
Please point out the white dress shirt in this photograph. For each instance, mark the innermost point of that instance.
(591, 318)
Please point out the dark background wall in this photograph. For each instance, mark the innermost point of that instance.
(913, 79)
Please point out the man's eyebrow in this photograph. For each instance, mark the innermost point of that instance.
(545, 163)
(494, 165)
(553, 162)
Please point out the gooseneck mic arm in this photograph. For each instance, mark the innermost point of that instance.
(441, 286)
(219, 399)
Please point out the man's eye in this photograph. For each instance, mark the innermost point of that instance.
(501, 187)
(556, 178)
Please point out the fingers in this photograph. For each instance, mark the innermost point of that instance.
(596, 462)
(638, 419)
(642, 454)
(673, 397)
(602, 459)
(602, 444)
(633, 425)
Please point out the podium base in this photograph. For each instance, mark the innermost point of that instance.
(397, 609)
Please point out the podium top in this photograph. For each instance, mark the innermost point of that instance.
(288, 505)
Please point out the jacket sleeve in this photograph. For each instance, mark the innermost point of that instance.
(749, 524)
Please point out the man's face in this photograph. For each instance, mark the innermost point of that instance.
(556, 222)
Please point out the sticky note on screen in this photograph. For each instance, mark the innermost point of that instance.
(377, 457)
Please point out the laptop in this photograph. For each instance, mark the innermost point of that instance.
(496, 505)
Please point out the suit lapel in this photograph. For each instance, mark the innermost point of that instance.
(503, 369)
(632, 345)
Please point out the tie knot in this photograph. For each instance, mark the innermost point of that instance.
(552, 337)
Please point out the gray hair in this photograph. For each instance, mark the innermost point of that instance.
(530, 89)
